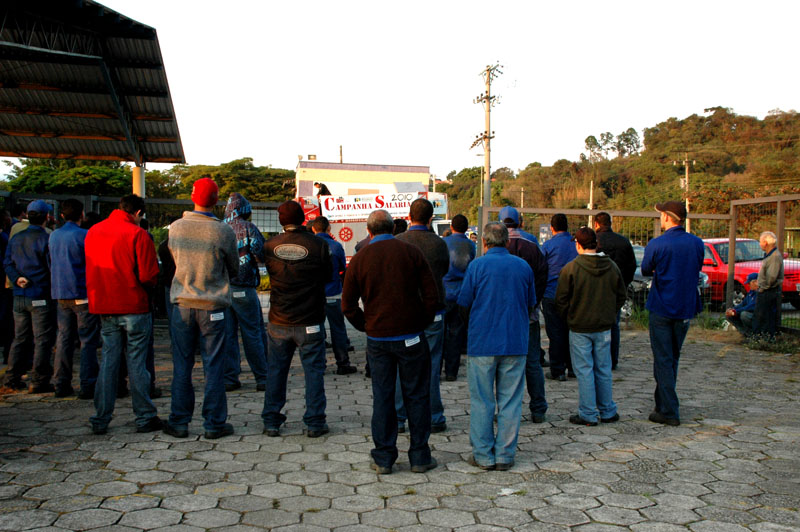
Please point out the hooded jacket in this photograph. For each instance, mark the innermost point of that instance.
(590, 292)
(249, 241)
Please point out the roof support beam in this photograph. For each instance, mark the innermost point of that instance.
(79, 136)
(77, 114)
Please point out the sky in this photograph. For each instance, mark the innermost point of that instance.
(394, 83)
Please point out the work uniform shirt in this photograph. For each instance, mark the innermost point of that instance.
(28, 256)
(558, 251)
(68, 262)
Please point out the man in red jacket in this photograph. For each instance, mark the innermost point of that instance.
(120, 264)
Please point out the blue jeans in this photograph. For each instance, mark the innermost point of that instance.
(496, 384)
(455, 339)
(413, 363)
(666, 339)
(245, 316)
(591, 361)
(34, 322)
(534, 376)
(339, 340)
(435, 336)
(615, 342)
(191, 327)
(75, 321)
(136, 329)
(310, 341)
(558, 333)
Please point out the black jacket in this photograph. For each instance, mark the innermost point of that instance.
(530, 252)
(619, 249)
(299, 265)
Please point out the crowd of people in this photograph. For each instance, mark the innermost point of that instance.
(421, 300)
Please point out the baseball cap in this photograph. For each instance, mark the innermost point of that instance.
(291, 213)
(508, 212)
(586, 237)
(205, 192)
(38, 206)
(676, 208)
(752, 277)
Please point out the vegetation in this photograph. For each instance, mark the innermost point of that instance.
(783, 343)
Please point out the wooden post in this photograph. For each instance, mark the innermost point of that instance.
(731, 257)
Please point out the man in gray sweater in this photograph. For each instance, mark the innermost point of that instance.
(770, 283)
(204, 250)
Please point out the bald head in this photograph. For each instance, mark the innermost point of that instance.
(380, 223)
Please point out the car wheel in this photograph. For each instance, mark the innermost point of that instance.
(738, 294)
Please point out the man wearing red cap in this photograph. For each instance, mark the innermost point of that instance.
(204, 250)
(299, 266)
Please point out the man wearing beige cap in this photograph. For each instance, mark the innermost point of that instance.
(674, 259)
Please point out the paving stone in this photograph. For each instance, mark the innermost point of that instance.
(71, 504)
(41, 477)
(446, 518)
(357, 503)
(389, 518)
(716, 526)
(112, 489)
(167, 489)
(222, 489)
(503, 517)
(412, 502)
(665, 514)
(271, 518)
(211, 518)
(88, 519)
(276, 491)
(151, 518)
(129, 503)
(305, 503)
(560, 516)
(330, 518)
(52, 491)
(148, 477)
(27, 519)
(568, 500)
(189, 503)
(615, 515)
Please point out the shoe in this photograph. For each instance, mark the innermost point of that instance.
(261, 387)
(576, 419)
(561, 377)
(658, 417)
(474, 463)
(381, 470)
(153, 424)
(544, 363)
(345, 370)
(500, 466)
(155, 392)
(401, 429)
(122, 392)
(99, 431)
(367, 372)
(16, 385)
(439, 427)
(86, 393)
(613, 367)
(316, 433)
(41, 388)
(64, 391)
(272, 432)
(175, 432)
(233, 386)
(612, 419)
(450, 378)
(571, 375)
(225, 430)
(351, 349)
(421, 468)
(537, 418)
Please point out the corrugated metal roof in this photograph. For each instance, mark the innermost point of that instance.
(364, 167)
(79, 80)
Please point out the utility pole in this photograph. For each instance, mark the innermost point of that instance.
(341, 159)
(685, 186)
(590, 206)
(488, 101)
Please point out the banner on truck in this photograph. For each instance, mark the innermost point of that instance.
(337, 208)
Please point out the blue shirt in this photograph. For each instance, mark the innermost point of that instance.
(499, 290)
(339, 262)
(462, 252)
(748, 304)
(27, 256)
(558, 251)
(527, 236)
(674, 259)
(68, 262)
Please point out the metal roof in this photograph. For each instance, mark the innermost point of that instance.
(364, 167)
(81, 81)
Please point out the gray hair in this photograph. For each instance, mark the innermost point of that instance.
(380, 222)
(769, 237)
(495, 235)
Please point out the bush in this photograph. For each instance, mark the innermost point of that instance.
(640, 318)
(706, 320)
(783, 343)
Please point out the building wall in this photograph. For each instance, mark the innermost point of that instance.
(353, 179)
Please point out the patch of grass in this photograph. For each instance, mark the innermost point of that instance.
(640, 318)
(783, 343)
(276, 504)
(411, 491)
(521, 492)
(313, 510)
(706, 320)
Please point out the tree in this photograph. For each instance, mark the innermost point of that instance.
(606, 142)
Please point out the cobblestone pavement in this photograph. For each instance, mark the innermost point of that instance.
(734, 463)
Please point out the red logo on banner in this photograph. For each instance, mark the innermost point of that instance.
(345, 234)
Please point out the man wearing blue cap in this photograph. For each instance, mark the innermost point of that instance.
(27, 265)
(741, 316)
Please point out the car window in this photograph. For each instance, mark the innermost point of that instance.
(638, 252)
(746, 250)
(707, 254)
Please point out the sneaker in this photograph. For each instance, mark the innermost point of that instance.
(64, 391)
(86, 393)
(233, 386)
(225, 430)
(474, 463)
(261, 387)
(345, 370)
(316, 433)
(175, 432)
(381, 470)
(612, 419)
(658, 417)
(561, 377)
(438, 427)
(153, 424)
(450, 378)
(576, 419)
(41, 388)
(501, 466)
(272, 432)
(99, 431)
(421, 468)
(537, 418)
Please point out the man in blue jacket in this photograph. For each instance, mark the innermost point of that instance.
(27, 265)
(741, 316)
(68, 265)
(333, 297)
(462, 252)
(674, 259)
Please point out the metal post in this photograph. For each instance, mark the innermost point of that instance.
(731, 257)
(138, 181)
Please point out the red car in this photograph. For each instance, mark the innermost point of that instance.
(748, 260)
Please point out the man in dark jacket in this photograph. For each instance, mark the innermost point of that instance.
(398, 290)
(529, 251)
(245, 312)
(299, 265)
(590, 293)
(462, 252)
(619, 249)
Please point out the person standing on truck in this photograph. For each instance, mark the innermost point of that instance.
(322, 190)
